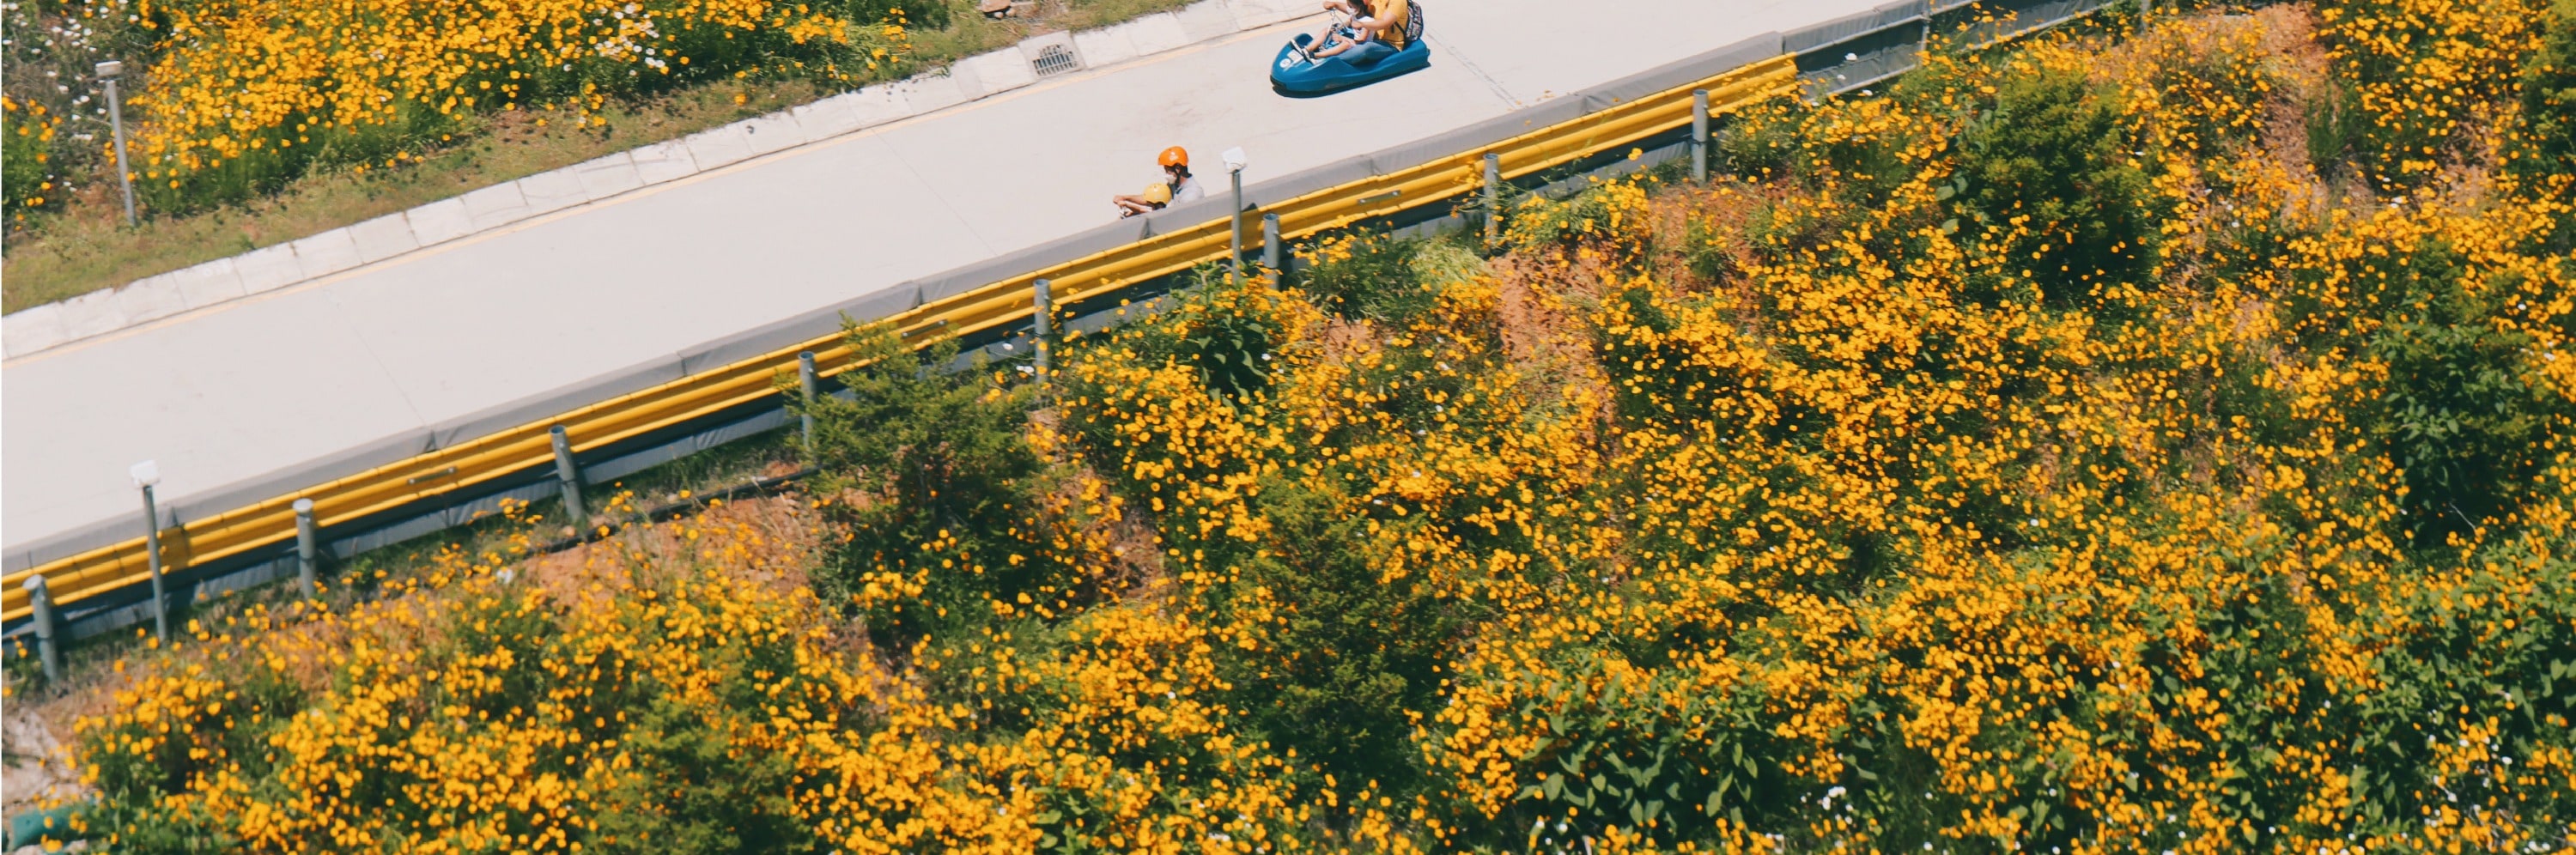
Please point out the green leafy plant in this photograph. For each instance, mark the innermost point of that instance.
(2461, 411)
(1604, 218)
(2333, 126)
(27, 173)
(2048, 169)
(1363, 276)
(939, 482)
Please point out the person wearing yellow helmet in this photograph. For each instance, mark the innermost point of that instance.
(1177, 187)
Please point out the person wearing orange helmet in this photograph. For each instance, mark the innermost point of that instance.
(1177, 187)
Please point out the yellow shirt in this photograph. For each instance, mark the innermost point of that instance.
(1397, 17)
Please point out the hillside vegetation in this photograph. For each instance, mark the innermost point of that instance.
(2121, 441)
(229, 99)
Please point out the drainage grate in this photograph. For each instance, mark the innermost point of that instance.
(1054, 60)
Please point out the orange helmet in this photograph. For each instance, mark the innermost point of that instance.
(1174, 156)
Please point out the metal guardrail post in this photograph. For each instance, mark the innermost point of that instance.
(1042, 319)
(1271, 251)
(1234, 219)
(43, 603)
(152, 560)
(108, 72)
(805, 386)
(1699, 136)
(1493, 198)
(305, 547)
(570, 476)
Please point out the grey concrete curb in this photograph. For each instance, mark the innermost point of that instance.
(97, 313)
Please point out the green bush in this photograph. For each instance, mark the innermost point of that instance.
(1657, 757)
(1363, 276)
(2053, 151)
(1346, 652)
(138, 763)
(2460, 411)
(2549, 93)
(2486, 642)
(1226, 329)
(1759, 142)
(2333, 125)
(938, 479)
(27, 176)
(2548, 138)
(1606, 218)
(2428, 76)
(698, 792)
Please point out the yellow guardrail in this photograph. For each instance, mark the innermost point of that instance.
(527, 446)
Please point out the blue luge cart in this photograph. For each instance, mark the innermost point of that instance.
(1293, 72)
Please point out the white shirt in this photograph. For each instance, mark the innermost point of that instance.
(1187, 192)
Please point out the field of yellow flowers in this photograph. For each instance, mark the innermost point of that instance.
(229, 98)
(2136, 439)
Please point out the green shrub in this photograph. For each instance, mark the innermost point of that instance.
(2427, 75)
(2333, 125)
(1656, 757)
(1228, 330)
(1760, 141)
(2461, 413)
(27, 174)
(2053, 151)
(1346, 652)
(2548, 137)
(2484, 643)
(939, 481)
(698, 791)
(1607, 218)
(1366, 275)
(139, 763)
(2549, 93)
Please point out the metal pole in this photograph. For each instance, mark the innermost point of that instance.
(43, 604)
(1493, 198)
(1042, 326)
(152, 559)
(805, 383)
(570, 476)
(1236, 219)
(1271, 251)
(116, 125)
(1699, 135)
(305, 548)
(1923, 43)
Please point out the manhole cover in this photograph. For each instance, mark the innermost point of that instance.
(1056, 59)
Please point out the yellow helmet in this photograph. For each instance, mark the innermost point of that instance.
(1158, 193)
